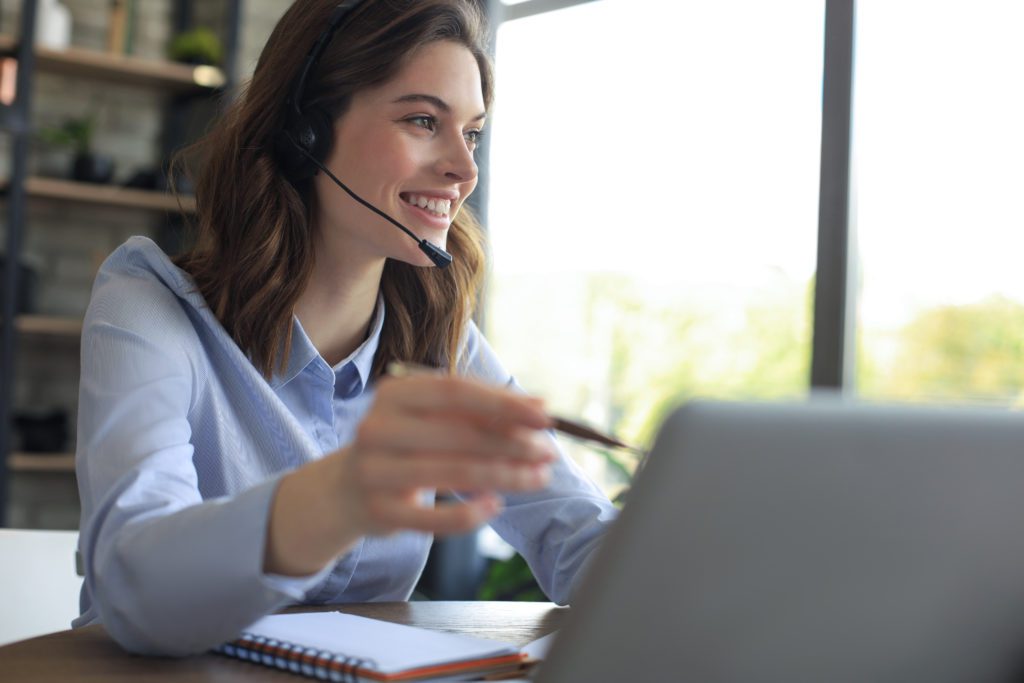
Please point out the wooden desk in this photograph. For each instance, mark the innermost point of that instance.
(89, 654)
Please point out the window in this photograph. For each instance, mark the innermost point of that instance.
(653, 206)
(939, 159)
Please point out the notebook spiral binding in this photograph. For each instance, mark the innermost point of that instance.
(307, 661)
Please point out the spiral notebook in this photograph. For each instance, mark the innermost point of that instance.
(333, 646)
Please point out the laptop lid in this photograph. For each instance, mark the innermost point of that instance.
(822, 541)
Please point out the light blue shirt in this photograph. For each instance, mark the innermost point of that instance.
(181, 443)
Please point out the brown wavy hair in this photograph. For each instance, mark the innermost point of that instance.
(252, 246)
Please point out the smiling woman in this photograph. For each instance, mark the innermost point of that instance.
(239, 446)
(366, 91)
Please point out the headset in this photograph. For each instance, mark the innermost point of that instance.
(305, 140)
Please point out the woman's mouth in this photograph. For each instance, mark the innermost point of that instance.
(436, 207)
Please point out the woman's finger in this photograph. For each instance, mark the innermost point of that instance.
(456, 395)
(392, 472)
(449, 517)
(402, 432)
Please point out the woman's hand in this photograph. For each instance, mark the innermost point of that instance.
(422, 432)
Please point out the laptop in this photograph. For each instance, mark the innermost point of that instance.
(820, 541)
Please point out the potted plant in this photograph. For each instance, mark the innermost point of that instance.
(197, 46)
(76, 135)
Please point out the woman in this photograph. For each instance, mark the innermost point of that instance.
(240, 445)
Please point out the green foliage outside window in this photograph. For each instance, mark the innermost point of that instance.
(969, 353)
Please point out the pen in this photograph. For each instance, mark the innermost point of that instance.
(566, 426)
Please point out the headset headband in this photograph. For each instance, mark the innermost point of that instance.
(315, 52)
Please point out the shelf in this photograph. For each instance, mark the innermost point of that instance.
(49, 326)
(122, 69)
(105, 195)
(41, 462)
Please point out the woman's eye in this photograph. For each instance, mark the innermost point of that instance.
(473, 137)
(427, 122)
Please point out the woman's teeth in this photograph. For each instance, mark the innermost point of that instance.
(438, 207)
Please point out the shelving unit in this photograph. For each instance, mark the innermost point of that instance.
(105, 195)
(48, 326)
(181, 83)
(41, 462)
(122, 69)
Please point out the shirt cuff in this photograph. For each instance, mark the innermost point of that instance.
(295, 587)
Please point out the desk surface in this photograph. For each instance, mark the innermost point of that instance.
(89, 654)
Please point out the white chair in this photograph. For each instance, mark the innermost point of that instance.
(38, 582)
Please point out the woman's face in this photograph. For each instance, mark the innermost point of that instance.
(407, 148)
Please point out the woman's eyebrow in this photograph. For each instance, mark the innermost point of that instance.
(436, 101)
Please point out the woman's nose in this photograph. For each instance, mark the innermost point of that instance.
(457, 162)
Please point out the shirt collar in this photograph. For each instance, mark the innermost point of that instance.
(362, 358)
(303, 353)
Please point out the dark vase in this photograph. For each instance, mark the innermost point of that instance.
(92, 168)
(43, 432)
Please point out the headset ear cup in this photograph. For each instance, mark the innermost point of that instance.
(322, 136)
(308, 134)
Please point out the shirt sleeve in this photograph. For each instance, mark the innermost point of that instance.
(167, 572)
(558, 529)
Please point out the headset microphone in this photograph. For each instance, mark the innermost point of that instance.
(440, 257)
